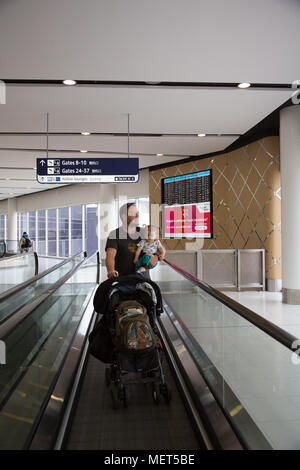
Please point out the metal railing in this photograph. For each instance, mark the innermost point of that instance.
(224, 269)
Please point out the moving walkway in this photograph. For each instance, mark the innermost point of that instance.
(53, 394)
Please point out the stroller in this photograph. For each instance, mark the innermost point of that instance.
(126, 337)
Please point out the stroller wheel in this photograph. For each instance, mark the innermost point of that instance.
(123, 397)
(107, 376)
(166, 393)
(114, 399)
(155, 394)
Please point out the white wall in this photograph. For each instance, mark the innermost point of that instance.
(65, 196)
(133, 190)
(77, 194)
(3, 207)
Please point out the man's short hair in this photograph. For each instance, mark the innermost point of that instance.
(125, 208)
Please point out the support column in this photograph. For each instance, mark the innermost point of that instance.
(290, 203)
(12, 232)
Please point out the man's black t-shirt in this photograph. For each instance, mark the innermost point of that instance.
(126, 248)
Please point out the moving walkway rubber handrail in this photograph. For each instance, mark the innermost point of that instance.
(280, 335)
(35, 278)
(36, 263)
(15, 256)
(98, 267)
(4, 248)
(14, 320)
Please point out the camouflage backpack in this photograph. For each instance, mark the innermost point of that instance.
(133, 330)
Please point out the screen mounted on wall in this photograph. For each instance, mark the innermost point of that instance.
(187, 205)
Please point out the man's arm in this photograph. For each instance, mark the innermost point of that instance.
(161, 253)
(137, 254)
(153, 260)
(110, 262)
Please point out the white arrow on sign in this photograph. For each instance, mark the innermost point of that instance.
(42, 162)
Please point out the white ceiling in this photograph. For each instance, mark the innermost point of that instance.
(161, 40)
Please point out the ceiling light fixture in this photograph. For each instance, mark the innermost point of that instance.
(201, 135)
(159, 154)
(85, 133)
(244, 85)
(69, 82)
(83, 151)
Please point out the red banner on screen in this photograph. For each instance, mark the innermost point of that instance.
(188, 220)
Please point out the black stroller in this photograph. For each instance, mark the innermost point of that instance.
(134, 353)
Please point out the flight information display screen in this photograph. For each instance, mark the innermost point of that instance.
(187, 205)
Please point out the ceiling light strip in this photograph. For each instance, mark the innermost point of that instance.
(113, 134)
(95, 152)
(144, 84)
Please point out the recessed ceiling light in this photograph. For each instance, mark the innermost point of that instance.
(83, 151)
(244, 85)
(159, 154)
(7, 178)
(69, 82)
(85, 133)
(201, 135)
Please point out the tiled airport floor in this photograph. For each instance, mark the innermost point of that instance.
(269, 305)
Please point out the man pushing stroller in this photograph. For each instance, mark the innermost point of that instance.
(122, 245)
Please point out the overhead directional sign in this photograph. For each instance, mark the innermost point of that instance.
(87, 170)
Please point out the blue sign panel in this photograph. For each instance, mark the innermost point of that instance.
(87, 170)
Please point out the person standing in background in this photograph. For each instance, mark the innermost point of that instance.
(25, 243)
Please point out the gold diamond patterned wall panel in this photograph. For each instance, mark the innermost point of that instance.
(246, 200)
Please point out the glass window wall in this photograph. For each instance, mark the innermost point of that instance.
(32, 226)
(41, 245)
(64, 231)
(2, 227)
(76, 229)
(24, 223)
(52, 233)
(142, 205)
(91, 228)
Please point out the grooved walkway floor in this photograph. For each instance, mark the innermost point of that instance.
(142, 426)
